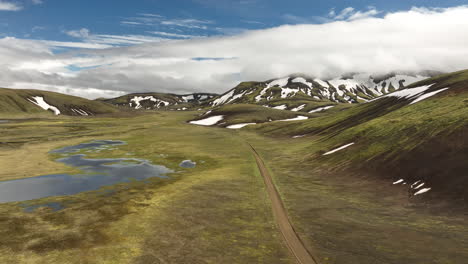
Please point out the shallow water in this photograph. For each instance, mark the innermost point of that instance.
(4, 121)
(93, 145)
(188, 164)
(96, 174)
(53, 206)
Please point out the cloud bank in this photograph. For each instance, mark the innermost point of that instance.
(9, 6)
(418, 39)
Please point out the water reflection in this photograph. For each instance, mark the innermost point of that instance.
(96, 174)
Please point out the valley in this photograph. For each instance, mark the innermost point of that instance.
(371, 182)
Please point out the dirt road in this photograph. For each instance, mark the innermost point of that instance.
(294, 243)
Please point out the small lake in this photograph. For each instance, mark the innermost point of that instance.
(4, 121)
(96, 173)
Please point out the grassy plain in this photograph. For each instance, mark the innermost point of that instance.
(217, 212)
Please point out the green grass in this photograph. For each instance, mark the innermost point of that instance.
(217, 212)
(14, 104)
(348, 216)
(344, 205)
(247, 113)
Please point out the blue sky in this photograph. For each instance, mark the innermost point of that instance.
(52, 19)
(108, 48)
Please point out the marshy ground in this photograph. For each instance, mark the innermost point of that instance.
(215, 212)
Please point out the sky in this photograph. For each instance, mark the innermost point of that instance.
(110, 48)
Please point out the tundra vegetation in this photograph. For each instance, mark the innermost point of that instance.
(347, 207)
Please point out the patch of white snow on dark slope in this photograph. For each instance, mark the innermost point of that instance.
(212, 120)
(303, 81)
(407, 93)
(425, 190)
(320, 109)
(280, 107)
(223, 99)
(280, 82)
(238, 126)
(399, 181)
(299, 108)
(322, 83)
(295, 119)
(425, 96)
(338, 149)
(39, 101)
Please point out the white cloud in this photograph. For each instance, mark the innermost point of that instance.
(81, 33)
(37, 2)
(418, 39)
(130, 23)
(350, 13)
(161, 21)
(9, 6)
(79, 45)
(187, 23)
(344, 13)
(172, 35)
(104, 40)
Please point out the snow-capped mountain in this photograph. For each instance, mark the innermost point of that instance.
(158, 100)
(354, 88)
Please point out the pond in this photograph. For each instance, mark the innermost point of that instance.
(95, 173)
(188, 164)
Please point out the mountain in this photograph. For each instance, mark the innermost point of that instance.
(158, 100)
(414, 138)
(19, 101)
(352, 88)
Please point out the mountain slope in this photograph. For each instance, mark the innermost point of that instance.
(158, 100)
(415, 138)
(353, 88)
(19, 101)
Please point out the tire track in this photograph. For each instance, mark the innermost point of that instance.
(294, 243)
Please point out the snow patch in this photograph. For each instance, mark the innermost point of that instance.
(80, 112)
(363, 99)
(258, 98)
(303, 81)
(425, 190)
(408, 93)
(280, 107)
(280, 82)
(188, 98)
(348, 83)
(298, 136)
(39, 101)
(320, 109)
(299, 108)
(425, 96)
(322, 83)
(238, 126)
(237, 96)
(288, 92)
(338, 149)
(399, 181)
(138, 99)
(223, 98)
(212, 120)
(295, 119)
(412, 185)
